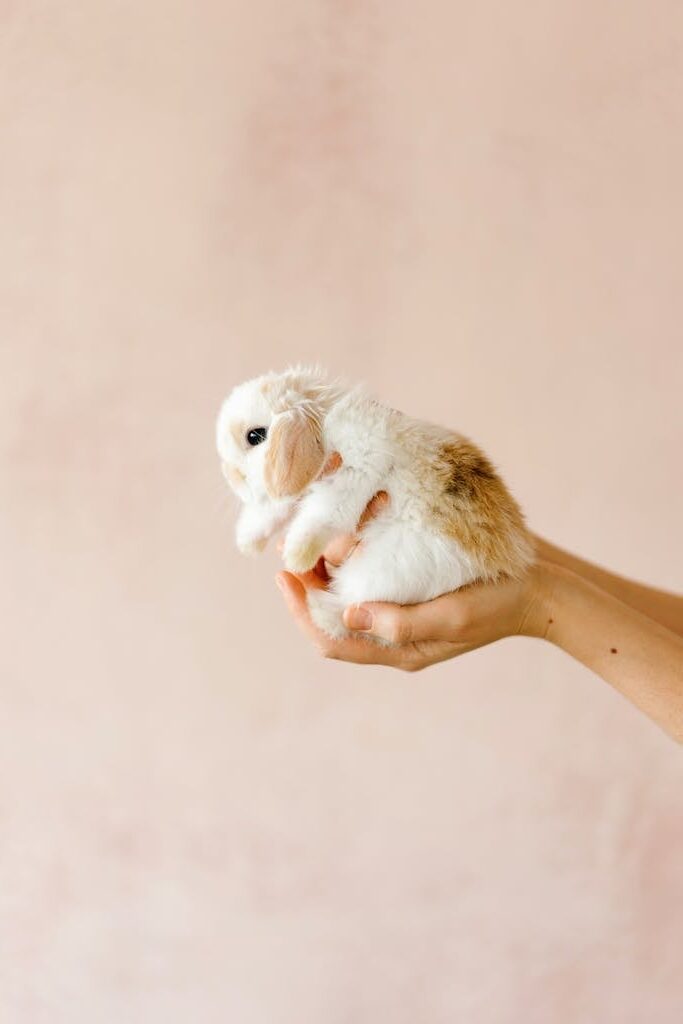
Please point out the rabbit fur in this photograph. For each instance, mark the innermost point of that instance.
(450, 519)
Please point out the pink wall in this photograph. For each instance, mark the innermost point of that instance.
(476, 207)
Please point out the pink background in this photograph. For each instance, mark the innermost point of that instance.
(477, 208)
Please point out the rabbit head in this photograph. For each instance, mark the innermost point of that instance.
(269, 433)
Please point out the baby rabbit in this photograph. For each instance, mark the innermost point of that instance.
(450, 519)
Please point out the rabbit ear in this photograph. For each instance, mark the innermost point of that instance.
(295, 453)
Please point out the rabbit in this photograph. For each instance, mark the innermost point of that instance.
(450, 519)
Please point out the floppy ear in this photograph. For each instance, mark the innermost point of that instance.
(295, 453)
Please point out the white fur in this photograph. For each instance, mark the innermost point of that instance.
(403, 557)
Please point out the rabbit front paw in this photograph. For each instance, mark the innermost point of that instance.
(251, 545)
(302, 550)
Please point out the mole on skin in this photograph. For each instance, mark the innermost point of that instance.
(613, 650)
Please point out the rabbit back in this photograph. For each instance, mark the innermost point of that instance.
(440, 484)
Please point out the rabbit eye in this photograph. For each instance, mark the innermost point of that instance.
(256, 436)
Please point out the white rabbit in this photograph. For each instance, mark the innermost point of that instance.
(450, 519)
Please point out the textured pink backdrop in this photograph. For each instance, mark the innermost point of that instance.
(476, 207)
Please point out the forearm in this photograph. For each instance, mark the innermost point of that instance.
(663, 607)
(638, 656)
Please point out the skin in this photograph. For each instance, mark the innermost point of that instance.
(628, 634)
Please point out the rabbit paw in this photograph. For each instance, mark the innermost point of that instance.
(251, 545)
(302, 551)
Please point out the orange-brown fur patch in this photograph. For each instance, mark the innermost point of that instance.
(477, 510)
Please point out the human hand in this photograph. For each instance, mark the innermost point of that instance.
(421, 634)
(559, 600)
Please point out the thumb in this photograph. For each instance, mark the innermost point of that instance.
(399, 624)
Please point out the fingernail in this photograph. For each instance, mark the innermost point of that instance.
(358, 618)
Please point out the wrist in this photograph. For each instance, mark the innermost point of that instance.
(539, 599)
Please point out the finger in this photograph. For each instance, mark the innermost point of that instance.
(321, 571)
(373, 508)
(343, 546)
(315, 579)
(332, 464)
(358, 650)
(439, 619)
(340, 548)
(294, 593)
